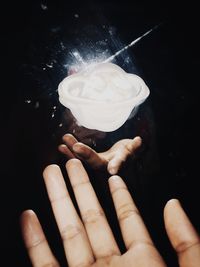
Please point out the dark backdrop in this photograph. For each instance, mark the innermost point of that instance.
(38, 38)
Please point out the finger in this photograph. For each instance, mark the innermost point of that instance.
(132, 227)
(36, 244)
(66, 151)
(126, 149)
(75, 241)
(69, 140)
(67, 148)
(134, 144)
(116, 162)
(182, 234)
(89, 155)
(98, 230)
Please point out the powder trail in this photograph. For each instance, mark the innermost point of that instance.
(131, 44)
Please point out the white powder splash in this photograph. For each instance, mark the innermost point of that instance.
(102, 96)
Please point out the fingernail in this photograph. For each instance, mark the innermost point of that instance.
(139, 140)
(115, 182)
(77, 147)
(112, 171)
(174, 201)
(115, 179)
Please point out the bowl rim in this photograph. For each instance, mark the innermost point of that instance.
(142, 95)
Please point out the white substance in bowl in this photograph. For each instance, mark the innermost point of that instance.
(103, 96)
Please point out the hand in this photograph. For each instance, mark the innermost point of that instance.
(112, 159)
(89, 242)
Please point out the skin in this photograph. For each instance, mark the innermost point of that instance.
(112, 159)
(88, 240)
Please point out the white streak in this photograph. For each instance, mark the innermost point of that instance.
(129, 45)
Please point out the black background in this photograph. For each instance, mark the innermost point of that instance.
(168, 61)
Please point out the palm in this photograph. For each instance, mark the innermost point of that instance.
(139, 256)
(112, 159)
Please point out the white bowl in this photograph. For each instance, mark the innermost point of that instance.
(103, 96)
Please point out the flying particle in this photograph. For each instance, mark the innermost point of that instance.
(37, 104)
(49, 65)
(43, 6)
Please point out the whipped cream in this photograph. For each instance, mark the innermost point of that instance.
(102, 96)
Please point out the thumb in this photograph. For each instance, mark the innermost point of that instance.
(134, 144)
(122, 153)
(115, 164)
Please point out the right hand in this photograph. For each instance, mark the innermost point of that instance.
(112, 159)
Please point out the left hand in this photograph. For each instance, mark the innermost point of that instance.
(112, 159)
(88, 240)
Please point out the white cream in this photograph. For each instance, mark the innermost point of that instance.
(102, 96)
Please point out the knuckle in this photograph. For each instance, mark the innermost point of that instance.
(125, 211)
(129, 149)
(36, 244)
(81, 184)
(105, 261)
(120, 190)
(51, 264)
(89, 153)
(110, 259)
(141, 246)
(71, 232)
(85, 264)
(185, 245)
(60, 198)
(92, 216)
